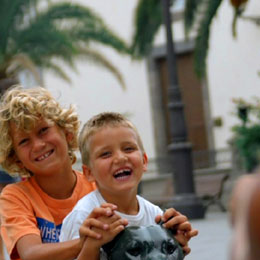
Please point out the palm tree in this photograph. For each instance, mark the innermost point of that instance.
(39, 34)
(198, 14)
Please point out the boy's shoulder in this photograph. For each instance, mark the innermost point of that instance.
(147, 205)
(18, 187)
(90, 200)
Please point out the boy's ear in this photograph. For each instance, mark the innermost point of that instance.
(145, 162)
(69, 136)
(87, 172)
(17, 162)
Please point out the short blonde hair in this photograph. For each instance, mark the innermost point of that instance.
(25, 107)
(98, 122)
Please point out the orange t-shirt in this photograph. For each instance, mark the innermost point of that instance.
(26, 209)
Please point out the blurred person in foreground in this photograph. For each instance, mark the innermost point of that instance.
(245, 217)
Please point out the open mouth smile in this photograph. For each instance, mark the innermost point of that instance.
(122, 174)
(44, 156)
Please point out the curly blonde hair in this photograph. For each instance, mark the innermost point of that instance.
(25, 107)
(98, 122)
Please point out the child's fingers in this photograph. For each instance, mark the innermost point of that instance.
(97, 212)
(120, 222)
(182, 239)
(158, 219)
(191, 233)
(185, 226)
(186, 250)
(92, 222)
(173, 222)
(86, 229)
(90, 226)
(109, 205)
(116, 227)
(109, 219)
(117, 230)
(87, 232)
(169, 213)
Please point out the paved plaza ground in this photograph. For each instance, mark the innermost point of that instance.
(213, 241)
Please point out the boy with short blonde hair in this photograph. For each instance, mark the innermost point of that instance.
(95, 124)
(114, 157)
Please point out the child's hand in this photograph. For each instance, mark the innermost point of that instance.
(179, 223)
(85, 230)
(115, 225)
(91, 246)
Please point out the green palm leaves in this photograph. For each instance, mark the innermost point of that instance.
(148, 19)
(38, 33)
(198, 13)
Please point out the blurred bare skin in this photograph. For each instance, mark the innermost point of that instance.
(245, 215)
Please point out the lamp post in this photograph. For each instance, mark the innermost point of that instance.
(179, 149)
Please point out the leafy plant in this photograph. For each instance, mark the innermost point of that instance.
(247, 135)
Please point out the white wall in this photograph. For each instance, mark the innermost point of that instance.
(95, 90)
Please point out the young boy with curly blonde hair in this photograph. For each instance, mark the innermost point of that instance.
(114, 157)
(38, 140)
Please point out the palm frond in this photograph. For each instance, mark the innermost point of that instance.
(91, 55)
(190, 13)
(102, 35)
(55, 31)
(148, 18)
(22, 62)
(202, 39)
(42, 40)
(56, 69)
(11, 16)
(84, 25)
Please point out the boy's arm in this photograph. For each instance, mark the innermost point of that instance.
(30, 247)
(91, 248)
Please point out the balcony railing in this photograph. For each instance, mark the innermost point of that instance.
(221, 158)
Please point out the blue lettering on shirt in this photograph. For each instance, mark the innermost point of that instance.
(49, 231)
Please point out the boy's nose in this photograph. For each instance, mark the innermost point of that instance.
(38, 144)
(120, 157)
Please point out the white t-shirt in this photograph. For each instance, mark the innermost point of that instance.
(6, 256)
(73, 221)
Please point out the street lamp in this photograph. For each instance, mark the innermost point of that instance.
(185, 199)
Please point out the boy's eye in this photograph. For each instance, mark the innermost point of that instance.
(105, 154)
(23, 141)
(129, 149)
(43, 130)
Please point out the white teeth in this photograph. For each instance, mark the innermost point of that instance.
(118, 172)
(43, 156)
(122, 172)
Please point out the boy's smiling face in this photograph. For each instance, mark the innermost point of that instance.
(43, 150)
(116, 160)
